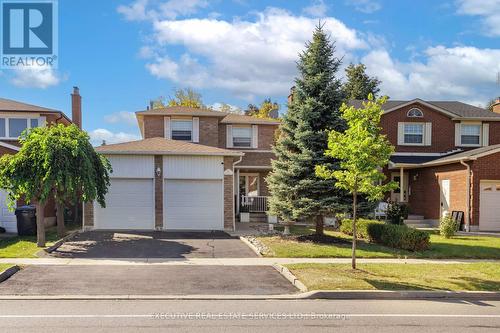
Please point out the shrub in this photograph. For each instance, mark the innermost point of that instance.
(448, 226)
(397, 212)
(361, 227)
(398, 236)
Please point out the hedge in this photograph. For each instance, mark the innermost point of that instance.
(398, 236)
(361, 227)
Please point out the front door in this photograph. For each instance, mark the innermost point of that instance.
(396, 194)
(445, 197)
(249, 184)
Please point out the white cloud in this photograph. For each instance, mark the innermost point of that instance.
(488, 10)
(141, 10)
(124, 117)
(220, 107)
(98, 135)
(245, 57)
(36, 77)
(462, 73)
(365, 6)
(318, 8)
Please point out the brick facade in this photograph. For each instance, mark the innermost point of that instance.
(209, 131)
(228, 194)
(484, 168)
(158, 193)
(154, 127)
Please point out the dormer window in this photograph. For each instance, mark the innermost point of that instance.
(182, 130)
(415, 113)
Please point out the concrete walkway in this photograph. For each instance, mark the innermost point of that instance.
(226, 261)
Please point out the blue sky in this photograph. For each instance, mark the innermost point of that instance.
(123, 53)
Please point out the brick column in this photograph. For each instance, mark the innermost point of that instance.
(228, 194)
(88, 215)
(159, 193)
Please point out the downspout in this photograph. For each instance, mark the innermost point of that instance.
(234, 191)
(467, 193)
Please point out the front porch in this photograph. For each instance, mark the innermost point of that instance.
(251, 194)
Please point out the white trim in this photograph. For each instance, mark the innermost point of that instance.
(419, 154)
(168, 129)
(251, 150)
(246, 175)
(195, 132)
(428, 134)
(229, 136)
(480, 133)
(7, 125)
(266, 167)
(255, 136)
(6, 145)
(418, 100)
(486, 135)
(401, 136)
(419, 110)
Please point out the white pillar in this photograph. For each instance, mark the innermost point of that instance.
(237, 175)
(401, 185)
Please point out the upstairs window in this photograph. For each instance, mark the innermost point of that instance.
(11, 128)
(470, 134)
(415, 113)
(414, 134)
(182, 130)
(242, 137)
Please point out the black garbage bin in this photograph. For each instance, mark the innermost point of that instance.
(26, 220)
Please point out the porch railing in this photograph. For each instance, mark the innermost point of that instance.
(253, 204)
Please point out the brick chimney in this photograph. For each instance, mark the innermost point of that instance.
(496, 106)
(290, 97)
(76, 107)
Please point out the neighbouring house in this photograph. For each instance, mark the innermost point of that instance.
(193, 170)
(447, 159)
(15, 117)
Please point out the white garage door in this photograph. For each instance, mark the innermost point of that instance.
(193, 205)
(489, 215)
(129, 205)
(7, 217)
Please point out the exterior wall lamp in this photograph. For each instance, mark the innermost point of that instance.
(158, 172)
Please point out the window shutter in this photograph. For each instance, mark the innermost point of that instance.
(458, 135)
(255, 136)
(486, 134)
(401, 133)
(428, 134)
(42, 121)
(229, 136)
(168, 131)
(196, 129)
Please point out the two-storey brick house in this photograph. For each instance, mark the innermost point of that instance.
(192, 170)
(447, 159)
(15, 117)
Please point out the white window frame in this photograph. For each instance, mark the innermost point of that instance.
(246, 175)
(410, 143)
(480, 143)
(250, 146)
(173, 121)
(28, 121)
(415, 109)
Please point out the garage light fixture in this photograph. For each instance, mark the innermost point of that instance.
(158, 172)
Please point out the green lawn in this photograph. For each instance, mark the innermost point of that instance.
(3, 267)
(23, 247)
(477, 276)
(463, 247)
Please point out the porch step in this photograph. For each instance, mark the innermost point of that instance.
(258, 217)
(418, 223)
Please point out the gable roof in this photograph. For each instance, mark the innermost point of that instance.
(11, 105)
(161, 146)
(453, 109)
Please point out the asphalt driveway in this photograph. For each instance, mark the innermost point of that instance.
(147, 280)
(154, 244)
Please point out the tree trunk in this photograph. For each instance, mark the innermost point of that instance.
(61, 231)
(40, 224)
(354, 231)
(320, 226)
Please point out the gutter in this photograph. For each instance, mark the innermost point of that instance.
(234, 191)
(467, 193)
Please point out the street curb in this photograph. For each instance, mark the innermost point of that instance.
(60, 242)
(9, 272)
(290, 277)
(311, 295)
(251, 246)
(403, 294)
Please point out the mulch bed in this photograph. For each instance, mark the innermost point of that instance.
(320, 239)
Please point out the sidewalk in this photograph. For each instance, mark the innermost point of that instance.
(226, 261)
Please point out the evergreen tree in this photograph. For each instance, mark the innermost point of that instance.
(359, 85)
(296, 191)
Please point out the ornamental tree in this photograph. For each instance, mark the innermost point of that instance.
(363, 151)
(56, 161)
(296, 191)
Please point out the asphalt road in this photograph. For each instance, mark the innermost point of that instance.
(250, 316)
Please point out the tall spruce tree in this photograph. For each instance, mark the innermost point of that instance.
(296, 191)
(359, 85)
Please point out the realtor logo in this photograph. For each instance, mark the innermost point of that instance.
(29, 33)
